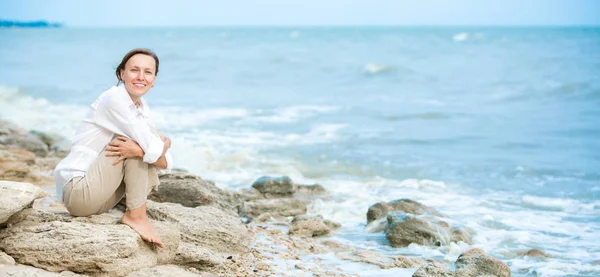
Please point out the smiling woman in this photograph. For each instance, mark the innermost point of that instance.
(117, 149)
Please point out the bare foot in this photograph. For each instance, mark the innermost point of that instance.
(142, 226)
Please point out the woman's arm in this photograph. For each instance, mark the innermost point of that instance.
(127, 148)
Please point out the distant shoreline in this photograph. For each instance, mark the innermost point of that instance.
(28, 24)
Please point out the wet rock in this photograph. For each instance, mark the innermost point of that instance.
(433, 269)
(55, 142)
(6, 259)
(268, 217)
(191, 191)
(475, 262)
(332, 224)
(463, 234)
(168, 271)
(384, 262)
(15, 196)
(381, 209)
(275, 187)
(311, 190)
(534, 253)
(249, 194)
(277, 206)
(309, 226)
(405, 229)
(28, 142)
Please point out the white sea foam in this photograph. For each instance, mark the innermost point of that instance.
(373, 68)
(460, 37)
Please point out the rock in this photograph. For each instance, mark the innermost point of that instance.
(475, 262)
(332, 224)
(53, 141)
(208, 234)
(267, 217)
(278, 206)
(433, 269)
(463, 234)
(15, 197)
(249, 194)
(308, 226)
(15, 164)
(167, 271)
(6, 259)
(311, 190)
(19, 270)
(534, 253)
(27, 142)
(376, 226)
(383, 262)
(381, 209)
(405, 229)
(275, 187)
(85, 247)
(191, 191)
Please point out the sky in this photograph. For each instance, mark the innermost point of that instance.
(105, 13)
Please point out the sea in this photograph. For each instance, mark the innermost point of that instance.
(497, 128)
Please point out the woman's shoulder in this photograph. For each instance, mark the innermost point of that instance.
(115, 95)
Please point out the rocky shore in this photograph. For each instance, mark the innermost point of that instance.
(263, 230)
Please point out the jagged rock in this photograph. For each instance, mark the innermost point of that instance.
(167, 271)
(113, 249)
(15, 196)
(309, 226)
(377, 259)
(208, 234)
(277, 206)
(463, 234)
(275, 187)
(381, 209)
(534, 253)
(267, 217)
(475, 262)
(433, 269)
(191, 191)
(405, 229)
(53, 141)
(6, 259)
(27, 142)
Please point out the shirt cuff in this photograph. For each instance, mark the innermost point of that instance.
(154, 151)
(169, 160)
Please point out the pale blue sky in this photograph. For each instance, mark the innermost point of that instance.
(305, 12)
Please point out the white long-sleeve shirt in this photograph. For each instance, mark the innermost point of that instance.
(112, 114)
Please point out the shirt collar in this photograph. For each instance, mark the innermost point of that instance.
(143, 109)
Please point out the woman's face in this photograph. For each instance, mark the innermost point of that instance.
(139, 75)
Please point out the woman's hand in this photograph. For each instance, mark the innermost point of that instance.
(123, 148)
(167, 142)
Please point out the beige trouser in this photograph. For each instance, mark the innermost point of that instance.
(104, 185)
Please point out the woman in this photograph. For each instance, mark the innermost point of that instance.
(116, 150)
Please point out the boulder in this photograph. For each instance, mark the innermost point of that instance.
(433, 269)
(475, 262)
(191, 191)
(249, 194)
(15, 164)
(309, 226)
(405, 229)
(6, 259)
(54, 142)
(381, 209)
(311, 190)
(27, 142)
(534, 253)
(277, 206)
(208, 234)
(275, 187)
(85, 247)
(15, 196)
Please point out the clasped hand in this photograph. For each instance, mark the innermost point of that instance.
(123, 148)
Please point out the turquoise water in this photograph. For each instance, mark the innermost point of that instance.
(488, 125)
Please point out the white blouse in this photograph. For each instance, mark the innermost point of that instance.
(111, 115)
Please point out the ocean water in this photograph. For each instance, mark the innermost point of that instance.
(498, 128)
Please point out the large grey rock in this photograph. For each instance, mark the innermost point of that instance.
(208, 234)
(27, 142)
(54, 142)
(310, 226)
(191, 191)
(381, 209)
(433, 269)
(277, 206)
(275, 187)
(475, 262)
(405, 229)
(15, 196)
(85, 247)
(311, 190)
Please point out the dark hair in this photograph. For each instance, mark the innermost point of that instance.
(132, 53)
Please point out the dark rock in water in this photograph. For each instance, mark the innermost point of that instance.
(28, 142)
(463, 234)
(278, 206)
(191, 191)
(310, 226)
(53, 141)
(311, 190)
(433, 269)
(534, 253)
(275, 187)
(381, 209)
(475, 262)
(405, 229)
